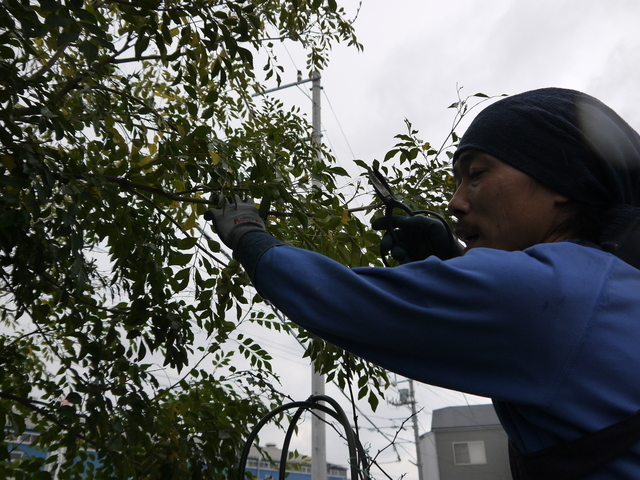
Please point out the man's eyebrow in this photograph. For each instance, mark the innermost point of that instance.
(456, 170)
(465, 158)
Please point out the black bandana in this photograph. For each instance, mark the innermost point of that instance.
(575, 145)
(566, 140)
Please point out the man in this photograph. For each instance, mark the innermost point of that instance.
(542, 311)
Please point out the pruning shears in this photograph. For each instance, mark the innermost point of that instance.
(383, 190)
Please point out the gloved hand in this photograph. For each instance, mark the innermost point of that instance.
(416, 238)
(231, 220)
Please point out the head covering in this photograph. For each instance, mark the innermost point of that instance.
(564, 139)
(573, 144)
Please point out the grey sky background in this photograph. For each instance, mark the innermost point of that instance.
(416, 54)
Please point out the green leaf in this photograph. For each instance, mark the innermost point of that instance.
(57, 21)
(74, 398)
(374, 401)
(187, 243)
(391, 153)
(180, 259)
(67, 38)
(362, 392)
(89, 50)
(142, 44)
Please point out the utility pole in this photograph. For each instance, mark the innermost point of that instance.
(316, 117)
(318, 425)
(408, 397)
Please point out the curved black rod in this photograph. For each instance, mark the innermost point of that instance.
(256, 430)
(353, 443)
(292, 426)
(357, 455)
(287, 441)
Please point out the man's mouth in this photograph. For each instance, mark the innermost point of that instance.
(467, 235)
(470, 238)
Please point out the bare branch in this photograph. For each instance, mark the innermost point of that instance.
(139, 186)
(49, 65)
(34, 405)
(173, 220)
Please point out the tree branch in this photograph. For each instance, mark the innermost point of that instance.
(139, 186)
(135, 99)
(31, 404)
(126, 183)
(49, 65)
(72, 83)
(144, 7)
(173, 220)
(134, 59)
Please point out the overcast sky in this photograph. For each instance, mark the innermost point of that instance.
(417, 52)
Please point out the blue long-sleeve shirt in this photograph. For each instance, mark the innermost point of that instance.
(551, 334)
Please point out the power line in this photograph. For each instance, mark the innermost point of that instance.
(339, 124)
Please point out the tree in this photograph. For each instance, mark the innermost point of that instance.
(118, 122)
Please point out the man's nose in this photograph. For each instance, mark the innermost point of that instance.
(458, 205)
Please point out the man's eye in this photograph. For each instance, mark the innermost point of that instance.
(474, 174)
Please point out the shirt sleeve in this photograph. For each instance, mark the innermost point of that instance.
(487, 323)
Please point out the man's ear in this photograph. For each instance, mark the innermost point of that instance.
(561, 200)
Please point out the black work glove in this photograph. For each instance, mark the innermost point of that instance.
(233, 218)
(416, 238)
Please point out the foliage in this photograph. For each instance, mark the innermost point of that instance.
(118, 121)
(420, 173)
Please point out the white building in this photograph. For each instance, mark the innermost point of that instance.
(266, 464)
(465, 443)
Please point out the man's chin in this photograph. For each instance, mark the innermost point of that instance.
(471, 244)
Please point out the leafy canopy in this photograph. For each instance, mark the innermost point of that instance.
(118, 121)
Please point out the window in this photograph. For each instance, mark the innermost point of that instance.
(29, 438)
(16, 454)
(26, 438)
(268, 465)
(469, 453)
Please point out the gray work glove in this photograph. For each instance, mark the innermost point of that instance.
(416, 238)
(233, 218)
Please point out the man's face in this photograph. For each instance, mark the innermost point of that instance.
(498, 206)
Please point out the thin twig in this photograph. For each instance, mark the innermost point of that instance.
(174, 221)
(49, 65)
(31, 404)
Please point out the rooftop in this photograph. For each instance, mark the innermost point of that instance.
(464, 417)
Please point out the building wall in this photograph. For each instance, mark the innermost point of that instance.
(429, 457)
(495, 446)
(465, 443)
(263, 468)
(265, 473)
(22, 445)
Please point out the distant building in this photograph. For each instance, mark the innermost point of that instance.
(298, 468)
(22, 445)
(465, 443)
(263, 466)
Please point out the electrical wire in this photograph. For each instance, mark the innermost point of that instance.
(353, 155)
